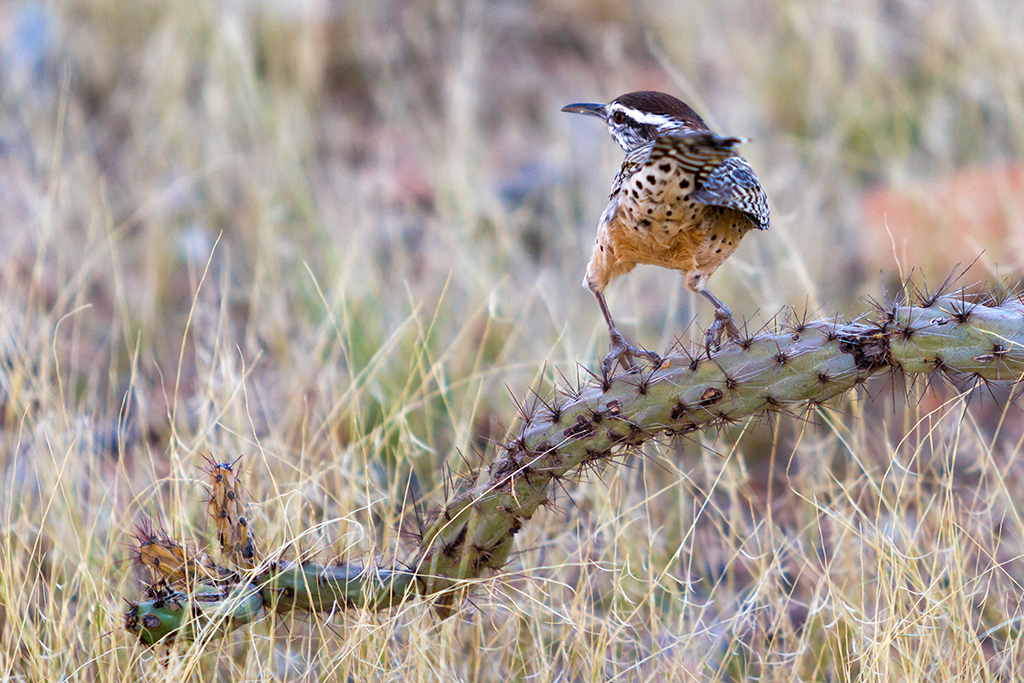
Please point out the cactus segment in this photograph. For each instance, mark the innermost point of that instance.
(204, 611)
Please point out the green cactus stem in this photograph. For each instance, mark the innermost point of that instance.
(799, 365)
(172, 615)
(205, 611)
(805, 364)
(316, 588)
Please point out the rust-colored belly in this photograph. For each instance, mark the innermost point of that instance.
(693, 238)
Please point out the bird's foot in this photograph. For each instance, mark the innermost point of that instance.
(624, 353)
(723, 325)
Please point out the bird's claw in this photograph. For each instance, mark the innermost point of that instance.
(624, 353)
(723, 325)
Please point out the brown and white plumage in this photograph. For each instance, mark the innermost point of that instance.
(683, 199)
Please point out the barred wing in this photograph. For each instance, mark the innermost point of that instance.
(658, 180)
(694, 154)
(734, 185)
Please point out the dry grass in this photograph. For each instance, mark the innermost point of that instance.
(328, 240)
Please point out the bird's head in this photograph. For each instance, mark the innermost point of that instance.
(636, 118)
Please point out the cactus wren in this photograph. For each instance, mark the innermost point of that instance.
(682, 199)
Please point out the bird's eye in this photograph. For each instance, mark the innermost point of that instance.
(618, 117)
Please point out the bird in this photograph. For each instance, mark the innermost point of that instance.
(682, 199)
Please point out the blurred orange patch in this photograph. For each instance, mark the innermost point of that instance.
(935, 225)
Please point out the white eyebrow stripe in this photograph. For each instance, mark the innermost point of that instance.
(644, 117)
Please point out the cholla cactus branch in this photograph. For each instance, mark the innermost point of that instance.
(207, 611)
(180, 615)
(803, 364)
(806, 364)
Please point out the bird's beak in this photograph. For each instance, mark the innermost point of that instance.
(585, 108)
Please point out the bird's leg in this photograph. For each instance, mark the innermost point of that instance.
(723, 322)
(622, 352)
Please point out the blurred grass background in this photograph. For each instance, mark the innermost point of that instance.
(333, 236)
